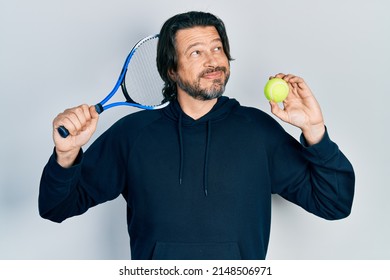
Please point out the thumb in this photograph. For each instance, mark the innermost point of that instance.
(278, 112)
(94, 117)
(94, 113)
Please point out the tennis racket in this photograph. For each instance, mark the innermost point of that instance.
(139, 80)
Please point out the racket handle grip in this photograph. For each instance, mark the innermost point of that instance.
(65, 133)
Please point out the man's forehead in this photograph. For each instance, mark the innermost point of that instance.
(196, 35)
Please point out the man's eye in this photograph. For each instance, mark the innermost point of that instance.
(195, 53)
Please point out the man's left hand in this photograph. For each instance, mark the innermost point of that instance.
(300, 109)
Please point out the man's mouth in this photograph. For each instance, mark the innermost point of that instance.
(213, 74)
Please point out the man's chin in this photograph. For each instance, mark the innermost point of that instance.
(209, 95)
(206, 91)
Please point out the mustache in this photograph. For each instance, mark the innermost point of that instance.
(211, 70)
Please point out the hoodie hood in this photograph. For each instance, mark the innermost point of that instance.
(221, 110)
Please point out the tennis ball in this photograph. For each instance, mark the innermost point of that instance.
(276, 89)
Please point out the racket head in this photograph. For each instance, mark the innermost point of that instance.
(139, 79)
(142, 84)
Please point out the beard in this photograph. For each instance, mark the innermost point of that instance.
(214, 91)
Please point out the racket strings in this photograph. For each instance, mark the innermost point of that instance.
(143, 82)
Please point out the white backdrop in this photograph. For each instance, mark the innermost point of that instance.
(59, 53)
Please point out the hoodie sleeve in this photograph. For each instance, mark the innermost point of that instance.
(56, 199)
(319, 178)
(97, 176)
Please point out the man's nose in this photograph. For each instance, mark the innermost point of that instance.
(210, 60)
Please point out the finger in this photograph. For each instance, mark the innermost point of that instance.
(279, 75)
(72, 123)
(288, 78)
(295, 80)
(80, 117)
(83, 116)
(74, 119)
(296, 83)
(300, 87)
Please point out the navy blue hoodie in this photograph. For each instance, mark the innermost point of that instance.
(200, 189)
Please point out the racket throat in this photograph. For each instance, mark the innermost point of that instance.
(126, 94)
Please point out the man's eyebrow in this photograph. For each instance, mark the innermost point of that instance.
(199, 43)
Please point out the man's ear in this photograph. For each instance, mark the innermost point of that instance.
(172, 74)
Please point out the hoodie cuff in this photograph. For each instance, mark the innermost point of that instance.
(320, 152)
(59, 174)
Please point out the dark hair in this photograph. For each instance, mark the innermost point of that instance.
(166, 52)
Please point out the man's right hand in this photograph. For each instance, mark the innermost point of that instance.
(81, 123)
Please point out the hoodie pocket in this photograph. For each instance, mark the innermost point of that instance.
(196, 251)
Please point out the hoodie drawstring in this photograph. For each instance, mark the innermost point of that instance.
(206, 156)
(206, 159)
(181, 149)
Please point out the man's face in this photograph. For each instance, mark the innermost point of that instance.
(203, 67)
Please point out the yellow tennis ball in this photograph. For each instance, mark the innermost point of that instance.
(276, 90)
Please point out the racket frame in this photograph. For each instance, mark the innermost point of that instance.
(100, 107)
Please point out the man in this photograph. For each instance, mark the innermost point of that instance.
(198, 174)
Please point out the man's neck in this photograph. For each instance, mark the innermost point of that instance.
(195, 108)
